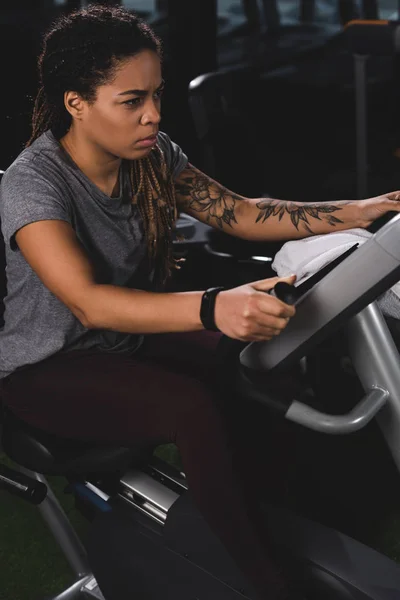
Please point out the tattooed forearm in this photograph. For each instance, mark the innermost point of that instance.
(300, 214)
(199, 193)
(249, 218)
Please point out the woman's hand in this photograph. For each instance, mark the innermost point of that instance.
(373, 208)
(249, 314)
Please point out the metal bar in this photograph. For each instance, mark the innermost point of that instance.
(361, 123)
(61, 528)
(356, 419)
(74, 592)
(84, 588)
(377, 362)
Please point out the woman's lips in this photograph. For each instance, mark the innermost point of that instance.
(150, 141)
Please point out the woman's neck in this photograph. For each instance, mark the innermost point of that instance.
(101, 169)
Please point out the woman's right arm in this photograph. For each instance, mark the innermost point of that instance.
(55, 254)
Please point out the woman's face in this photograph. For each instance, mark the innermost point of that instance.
(126, 110)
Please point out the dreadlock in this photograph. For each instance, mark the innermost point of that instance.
(155, 198)
(82, 51)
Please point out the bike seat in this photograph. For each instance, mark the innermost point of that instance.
(48, 454)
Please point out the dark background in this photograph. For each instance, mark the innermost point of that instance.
(290, 132)
(278, 118)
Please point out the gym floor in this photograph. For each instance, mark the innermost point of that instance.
(37, 568)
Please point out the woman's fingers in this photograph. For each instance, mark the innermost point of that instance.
(275, 308)
(265, 285)
(248, 313)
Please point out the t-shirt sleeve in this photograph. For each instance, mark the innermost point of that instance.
(175, 158)
(26, 197)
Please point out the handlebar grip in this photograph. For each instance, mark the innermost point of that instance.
(286, 292)
(22, 485)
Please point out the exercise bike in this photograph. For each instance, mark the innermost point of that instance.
(146, 538)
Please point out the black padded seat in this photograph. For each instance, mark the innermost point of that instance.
(48, 454)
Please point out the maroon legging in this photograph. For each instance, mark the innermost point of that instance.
(164, 393)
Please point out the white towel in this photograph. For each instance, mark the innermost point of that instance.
(307, 256)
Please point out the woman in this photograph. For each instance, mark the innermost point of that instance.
(87, 213)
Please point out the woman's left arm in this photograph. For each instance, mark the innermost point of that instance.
(268, 219)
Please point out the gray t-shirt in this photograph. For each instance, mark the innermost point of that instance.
(44, 183)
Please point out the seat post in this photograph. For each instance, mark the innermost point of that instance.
(62, 530)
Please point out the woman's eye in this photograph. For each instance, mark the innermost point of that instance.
(133, 102)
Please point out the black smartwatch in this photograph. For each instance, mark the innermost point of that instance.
(207, 308)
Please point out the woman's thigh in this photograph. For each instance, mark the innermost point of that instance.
(107, 397)
(193, 353)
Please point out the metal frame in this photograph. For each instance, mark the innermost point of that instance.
(377, 362)
(143, 492)
(85, 585)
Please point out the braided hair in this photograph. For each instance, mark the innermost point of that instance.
(82, 51)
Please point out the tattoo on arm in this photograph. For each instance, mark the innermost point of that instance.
(299, 213)
(200, 193)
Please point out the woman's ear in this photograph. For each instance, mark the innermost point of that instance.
(74, 104)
